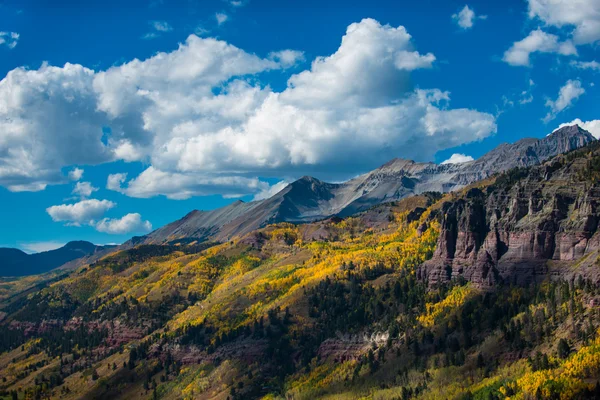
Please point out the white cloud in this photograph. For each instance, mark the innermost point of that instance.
(592, 126)
(150, 35)
(593, 65)
(566, 96)
(9, 39)
(126, 151)
(49, 119)
(129, 223)
(201, 31)
(287, 58)
(411, 60)
(271, 190)
(466, 17)
(537, 41)
(581, 17)
(90, 213)
(203, 123)
(114, 181)
(83, 189)
(161, 26)
(221, 18)
(526, 98)
(75, 174)
(38, 247)
(81, 213)
(457, 158)
(158, 27)
(180, 186)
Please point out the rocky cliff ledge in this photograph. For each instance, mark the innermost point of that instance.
(527, 225)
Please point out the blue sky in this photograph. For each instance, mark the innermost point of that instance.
(265, 92)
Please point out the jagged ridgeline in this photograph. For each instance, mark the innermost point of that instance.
(484, 293)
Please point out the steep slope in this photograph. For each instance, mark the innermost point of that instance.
(330, 309)
(525, 225)
(14, 262)
(309, 199)
(198, 225)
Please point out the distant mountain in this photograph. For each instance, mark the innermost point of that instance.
(14, 262)
(309, 199)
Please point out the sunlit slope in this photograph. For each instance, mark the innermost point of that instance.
(333, 309)
(222, 291)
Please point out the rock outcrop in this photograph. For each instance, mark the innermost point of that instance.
(529, 224)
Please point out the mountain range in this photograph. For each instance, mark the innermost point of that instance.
(309, 199)
(15, 262)
(488, 292)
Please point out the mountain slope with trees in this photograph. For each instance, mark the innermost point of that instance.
(343, 308)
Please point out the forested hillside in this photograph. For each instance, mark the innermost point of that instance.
(337, 309)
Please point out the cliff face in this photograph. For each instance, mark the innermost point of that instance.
(527, 225)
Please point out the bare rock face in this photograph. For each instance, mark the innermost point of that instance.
(530, 224)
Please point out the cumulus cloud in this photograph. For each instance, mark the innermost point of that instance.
(457, 158)
(90, 212)
(83, 189)
(581, 17)
(537, 41)
(129, 223)
(566, 96)
(114, 181)
(592, 126)
(466, 17)
(75, 174)
(287, 58)
(9, 39)
(221, 18)
(49, 119)
(180, 186)
(81, 213)
(203, 122)
(411, 60)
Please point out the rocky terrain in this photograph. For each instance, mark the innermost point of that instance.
(523, 227)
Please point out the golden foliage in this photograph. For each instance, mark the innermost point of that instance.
(455, 298)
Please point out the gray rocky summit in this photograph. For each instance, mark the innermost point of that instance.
(309, 199)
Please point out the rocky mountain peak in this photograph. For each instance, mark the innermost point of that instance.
(310, 199)
(571, 130)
